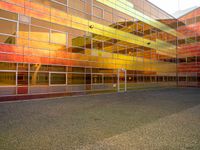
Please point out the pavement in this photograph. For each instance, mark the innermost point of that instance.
(161, 119)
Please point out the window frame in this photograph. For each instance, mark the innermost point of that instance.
(17, 29)
(10, 71)
(66, 40)
(102, 78)
(50, 84)
(93, 14)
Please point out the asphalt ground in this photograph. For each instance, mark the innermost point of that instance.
(161, 119)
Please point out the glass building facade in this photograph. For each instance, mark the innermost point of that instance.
(61, 47)
(189, 49)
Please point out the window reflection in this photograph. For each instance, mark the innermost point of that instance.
(58, 78)
(39, 78)
(7, 78)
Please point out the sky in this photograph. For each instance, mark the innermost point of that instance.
(172, 6)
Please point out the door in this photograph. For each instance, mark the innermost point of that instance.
(122, 80)
(22, 83)
(88, 81)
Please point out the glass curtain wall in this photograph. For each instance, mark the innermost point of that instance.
(68, 46)
(188, 49)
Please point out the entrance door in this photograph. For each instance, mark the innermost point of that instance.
(122, 80)
(88, 81)
(22, 83)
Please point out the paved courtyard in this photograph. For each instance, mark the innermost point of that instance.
(162, 119)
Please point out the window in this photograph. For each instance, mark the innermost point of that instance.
(120, 21)
(198, 38)
(182, 60)
(98, 45)
(23, 67)
(23, 31)
(108, 16)
(78, 41)
(76, 69)
(77, 4)
(8, 27)
(191, 78)
(39, 34)
(61, 1)
(140, 78)
(181, 24)
(110, 78)
(198, 59)
(190, 21)
(97, 78)
(7, 78)
(181, 41)
(58, 37)
(38, 67)
(57, 68)
(58, 78)
(38, 78)
(98, 12)
(7, 39)
(75, 78)
(121, 49)
(198, 19)
(198, 79)
(147, 79)
(7, 66)
(140, 29)
(44, 2)
(23, 34)
(191, 59)
(60, 27)
(191, 40)
(40, 23)
(76, 50)
(39, 46)
(8, 15)
(88, 42)
(102, 70)
(59, 6)
(182, 78)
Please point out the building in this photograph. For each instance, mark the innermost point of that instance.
(189, 49)
(69, 47)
